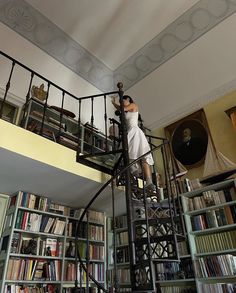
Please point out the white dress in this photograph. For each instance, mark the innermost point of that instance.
(137, 141)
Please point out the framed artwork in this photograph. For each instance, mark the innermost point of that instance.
(3, 209)
(188, 139)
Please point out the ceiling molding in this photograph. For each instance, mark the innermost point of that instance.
(191, 25)
(35, 27)
(195, 105)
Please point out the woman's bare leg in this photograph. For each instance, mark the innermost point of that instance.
(146, 170)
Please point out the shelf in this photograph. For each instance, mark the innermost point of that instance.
(185, 256)
(84, 260)
(222, 279)
(123, 264)
(227, 251)
(175, 282)
(200, 211)
(216, 186)
(39, 233)
(31, 282)
(84, 239)
(121, 245)
(42, 212)
(35, 256)
(118, 230)
(213, 230)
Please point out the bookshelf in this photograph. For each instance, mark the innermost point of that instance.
(68, 133)
(210, 217)
(10, 111)
(121, 252)
(38, 245)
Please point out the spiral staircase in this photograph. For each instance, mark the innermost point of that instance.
(155, 224)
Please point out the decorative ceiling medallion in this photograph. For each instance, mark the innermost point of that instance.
(72, 56)
(35, 27)
(217, 8)
(200, 19)
(43, 33)
(154, 53)
(19, 17)
(169, 43)
(184, 31)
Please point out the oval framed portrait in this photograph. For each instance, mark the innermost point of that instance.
(189, 142)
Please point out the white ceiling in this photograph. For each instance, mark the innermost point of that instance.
(112, 30)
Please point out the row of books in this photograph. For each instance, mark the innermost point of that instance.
(29, 269)
(122, 238)
(219, 288)
(36, 246)
(83, 290)
(81, 229)
(31, 288)
(29, 200)
(96, 232)
(39, 223)
(96, 252)
(38, 202)
(121, 221)
(216, 266)
(97, 271)
(122, 254)
(179, 289)
(211, 198)
(216, 242)
(183, 248)
(123, 276)
(174, 270)
(91, 216)
(70, 272)
(214, 218)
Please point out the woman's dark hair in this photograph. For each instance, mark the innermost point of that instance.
(126, 97)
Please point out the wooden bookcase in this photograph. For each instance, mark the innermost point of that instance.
(37, 247)
(210, 216)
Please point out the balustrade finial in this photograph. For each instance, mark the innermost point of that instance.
(120, 85)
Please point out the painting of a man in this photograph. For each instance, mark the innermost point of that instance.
(189, 143)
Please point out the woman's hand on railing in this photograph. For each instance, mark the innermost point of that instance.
(113, 100)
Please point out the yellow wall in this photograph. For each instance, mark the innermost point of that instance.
(33, 146)
(223, 134)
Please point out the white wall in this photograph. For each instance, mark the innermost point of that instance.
(33, 57)
(187, 81)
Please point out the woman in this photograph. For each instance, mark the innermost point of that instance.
(137, 142)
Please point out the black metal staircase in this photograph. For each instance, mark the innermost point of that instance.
(155, 226)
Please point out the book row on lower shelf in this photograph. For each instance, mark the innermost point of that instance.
(210, 217)
(41, 203)
(215, 218)
(211, 198)
(38, 245)
(216, 266)
(43, 289)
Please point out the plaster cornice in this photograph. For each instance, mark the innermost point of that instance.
(35, 27)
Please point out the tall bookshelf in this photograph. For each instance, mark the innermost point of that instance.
(121, 253)
(210, 217)
(38, 245)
